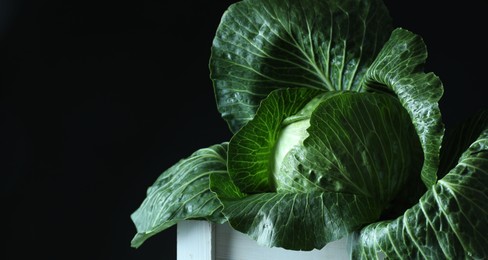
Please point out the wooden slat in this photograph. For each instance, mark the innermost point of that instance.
(201, 240)
(195, 240)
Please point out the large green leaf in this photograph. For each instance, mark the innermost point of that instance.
(449, 222)
(359, 143)
(182, 192)
(262, 45)
(337, 179)
(398, 70)
(299, 221)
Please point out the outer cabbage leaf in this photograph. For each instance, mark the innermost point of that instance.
(359, 143)
(398, 70)
(262, 45)
(449, 222)
(299, 221)
(182, 192)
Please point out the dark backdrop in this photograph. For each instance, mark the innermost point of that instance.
(98, 97)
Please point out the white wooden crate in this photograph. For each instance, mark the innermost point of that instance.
(201, 240)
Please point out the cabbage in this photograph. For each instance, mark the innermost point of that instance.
(337, 132)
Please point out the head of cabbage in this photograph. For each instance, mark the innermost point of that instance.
(336, 132)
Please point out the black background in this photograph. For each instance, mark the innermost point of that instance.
(97, 98)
